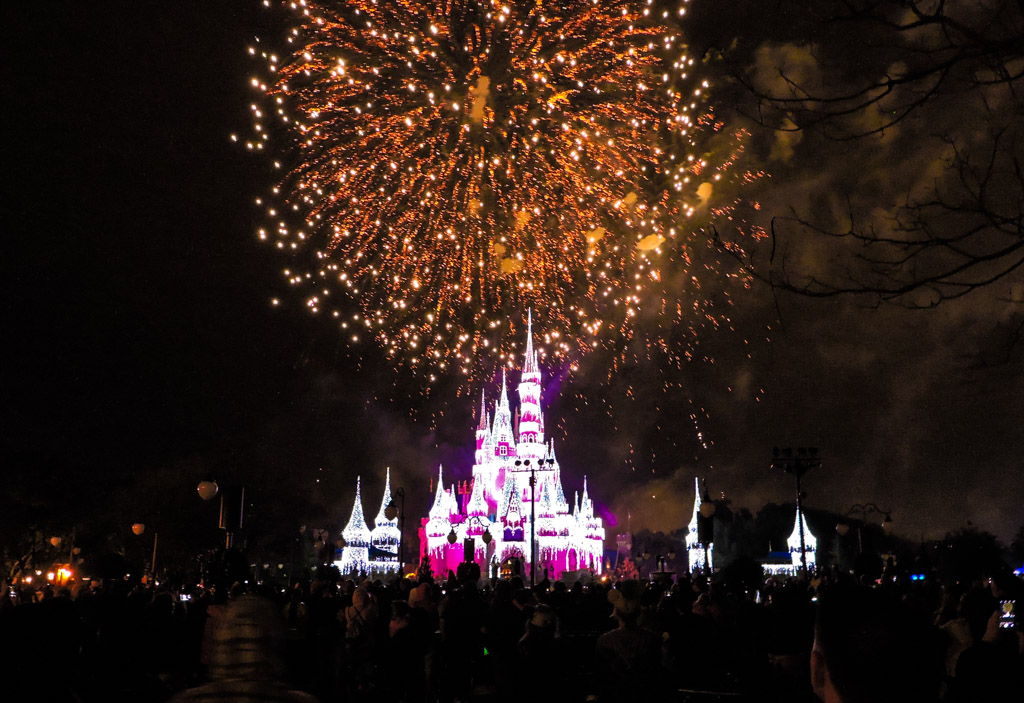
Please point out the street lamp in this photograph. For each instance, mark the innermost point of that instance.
(231, 518)
(393, 511)
(797, 463)
(533, 513)
(485, 537)
(864, 509)
(469, 569)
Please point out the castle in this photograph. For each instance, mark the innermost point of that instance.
(516, 492)
(514, 498)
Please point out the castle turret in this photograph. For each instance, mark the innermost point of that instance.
(695, 549)
(561, 505)
(355, 556)
(482, 429)
(530, 438)
(477, 505)
(385, 536)
(810, 543)
(501, 430)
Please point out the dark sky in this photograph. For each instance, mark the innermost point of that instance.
(142, 351)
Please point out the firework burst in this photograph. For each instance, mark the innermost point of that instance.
(449, 164)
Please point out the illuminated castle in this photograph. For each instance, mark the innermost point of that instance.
(367, 551)
(490, 517)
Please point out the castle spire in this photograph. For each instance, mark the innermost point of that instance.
(381, 517)
(482, 423)
(477, 504)
(439, 506)
(356, 533)
(503, 400)
(530, 362)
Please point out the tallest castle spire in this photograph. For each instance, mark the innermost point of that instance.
(530, 362)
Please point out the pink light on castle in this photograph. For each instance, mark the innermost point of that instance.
(568, 537)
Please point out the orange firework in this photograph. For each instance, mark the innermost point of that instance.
(450, 164)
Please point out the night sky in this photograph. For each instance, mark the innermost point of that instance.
(142, 351)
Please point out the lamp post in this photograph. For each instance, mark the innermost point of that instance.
(533, 519)
(393, 511)
(707, 534)
(469, 543)
(231, 519)
(864, 509)
(797, 462)
(137, 529)
(485, 537)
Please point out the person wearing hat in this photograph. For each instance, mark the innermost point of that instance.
(628, 656)
(540, 653)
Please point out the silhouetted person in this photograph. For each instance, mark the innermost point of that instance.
(870, 648)
(245, 659)
(628, 657)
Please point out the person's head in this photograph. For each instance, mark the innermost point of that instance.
(542, 622)
(400, 614)
(868, 646)
(625, 600)
(361, 597)
(419, 597)
(249, 643)
(522, 598)
(1003, 584)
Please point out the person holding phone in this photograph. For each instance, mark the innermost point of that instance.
(991, 669)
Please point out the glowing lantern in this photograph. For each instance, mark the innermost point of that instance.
(138, 528)
(207, 489)
(55, 541)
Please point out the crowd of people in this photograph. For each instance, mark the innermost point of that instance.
(828, 637)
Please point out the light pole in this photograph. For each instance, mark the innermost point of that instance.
(707, 534)
(469, 543)
(393, 511)
(533, 514)
(231, 519)
(864, 509)
(137, 529)
(797, 463)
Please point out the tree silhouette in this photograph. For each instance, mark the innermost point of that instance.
(933, 84)
(969, 554)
